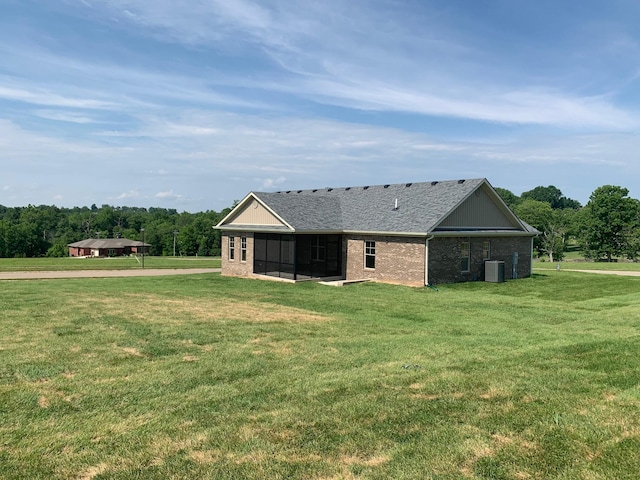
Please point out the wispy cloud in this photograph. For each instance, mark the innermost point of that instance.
(213, 98)
(332, 54)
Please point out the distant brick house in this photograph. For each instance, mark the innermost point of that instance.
(107, 247)
(411, 234)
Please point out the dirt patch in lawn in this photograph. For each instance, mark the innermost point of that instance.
(150, 307)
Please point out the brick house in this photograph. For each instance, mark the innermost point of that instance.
(107, 247)
(411, 234)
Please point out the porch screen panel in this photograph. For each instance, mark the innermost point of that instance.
(287, 257)
(273, 255)
(334, 255)
(260, 253)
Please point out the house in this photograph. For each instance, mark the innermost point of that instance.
(411, 234)
(107, 247)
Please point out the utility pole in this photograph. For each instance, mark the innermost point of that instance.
(143, 247)
(175, 232)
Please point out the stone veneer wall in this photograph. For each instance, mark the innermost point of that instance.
(444, 257)
(235, 267)
(399, 260)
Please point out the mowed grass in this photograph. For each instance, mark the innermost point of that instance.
(211, 377)
(115, 263)
(583, 265)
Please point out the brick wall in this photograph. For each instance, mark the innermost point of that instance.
(236, 267)
(444, 257)
(398, 259)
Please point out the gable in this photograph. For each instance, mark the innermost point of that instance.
(480, 211)
(254, 213)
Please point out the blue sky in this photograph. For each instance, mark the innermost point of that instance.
(192, 104)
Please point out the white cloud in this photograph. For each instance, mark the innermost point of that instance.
(269, 183)
(43, 97)
(168, 194)
(128, 195)
(65, 116)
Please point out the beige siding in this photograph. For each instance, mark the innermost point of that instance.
(254, 214)
(477, 211)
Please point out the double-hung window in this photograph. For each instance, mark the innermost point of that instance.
(232, 248)
(369, 254)
(465, 257)
(243, 249)
(486, 250)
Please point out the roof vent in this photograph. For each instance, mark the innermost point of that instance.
(365, 188)
(408, 184)
(288, 191)
(396, 205)
(434, 183)
(460, 181)
(386, 186)
(347, 189)
(315, 190)
(329, 189)
(299, 191)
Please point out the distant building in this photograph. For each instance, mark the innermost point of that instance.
(411, 234)
(107, 247)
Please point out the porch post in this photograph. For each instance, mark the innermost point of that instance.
(295, 257)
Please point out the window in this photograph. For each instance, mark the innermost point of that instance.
(232, 248)
(464, 257)
(369, 254)
(486, 250)
(243, 249)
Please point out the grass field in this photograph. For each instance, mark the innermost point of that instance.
(116, 263)
(210, 377)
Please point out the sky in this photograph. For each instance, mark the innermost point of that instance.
(193, 104)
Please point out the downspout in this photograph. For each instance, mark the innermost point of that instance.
(426, 261)
(531, 259)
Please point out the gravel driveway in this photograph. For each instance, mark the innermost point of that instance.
(147, 272)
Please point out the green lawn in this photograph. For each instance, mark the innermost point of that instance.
(116, 263)
(583, 265)
(210, 377)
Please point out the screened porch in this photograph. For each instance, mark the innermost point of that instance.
(297, 257)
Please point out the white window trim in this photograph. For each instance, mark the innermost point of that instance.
(232, 248)
(468, 257)
(243, 249)
(369, 254)
(488, 256)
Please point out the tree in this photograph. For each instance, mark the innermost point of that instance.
(552, 195)
(609, 223)
(541, 216)
(508, 197)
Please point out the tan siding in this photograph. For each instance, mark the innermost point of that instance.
(254, 214)
(479, 210)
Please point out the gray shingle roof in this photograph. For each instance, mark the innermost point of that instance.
(421, 206)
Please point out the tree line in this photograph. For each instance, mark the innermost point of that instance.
(605, 229)
(37, 231)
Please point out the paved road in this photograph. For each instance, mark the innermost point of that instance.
(147, 272)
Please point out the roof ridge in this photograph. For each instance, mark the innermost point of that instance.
(367, 187)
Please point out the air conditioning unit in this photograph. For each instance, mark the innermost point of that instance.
(494, 271)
